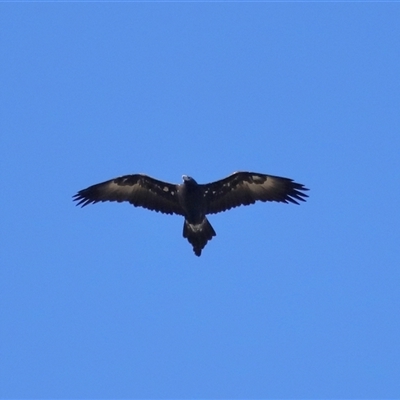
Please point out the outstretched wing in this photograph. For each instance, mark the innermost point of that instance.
(244, 188)
(139, 190)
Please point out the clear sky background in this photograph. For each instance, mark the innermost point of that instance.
(286, 301)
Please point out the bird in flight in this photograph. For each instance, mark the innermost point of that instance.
(193, 200)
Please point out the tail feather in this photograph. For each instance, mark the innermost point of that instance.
(198, 235)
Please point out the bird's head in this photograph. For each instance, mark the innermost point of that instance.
(188, 180)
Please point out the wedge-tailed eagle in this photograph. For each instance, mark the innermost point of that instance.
(192, 200)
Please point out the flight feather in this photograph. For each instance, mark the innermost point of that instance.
(139, 190)
(244, 188)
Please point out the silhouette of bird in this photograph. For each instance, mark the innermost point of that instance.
(192, 200)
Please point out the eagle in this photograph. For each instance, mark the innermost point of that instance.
(192, 200)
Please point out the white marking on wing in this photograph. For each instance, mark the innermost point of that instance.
(123, 189)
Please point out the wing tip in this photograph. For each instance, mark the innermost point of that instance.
(82, 200)
(297, 193)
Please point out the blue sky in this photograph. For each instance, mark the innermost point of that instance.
(286, 301)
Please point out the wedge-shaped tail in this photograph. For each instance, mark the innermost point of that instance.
(198, 235)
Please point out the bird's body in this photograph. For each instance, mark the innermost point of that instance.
(192, 200)
(196, 228)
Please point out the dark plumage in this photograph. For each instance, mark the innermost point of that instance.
(192, 200)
